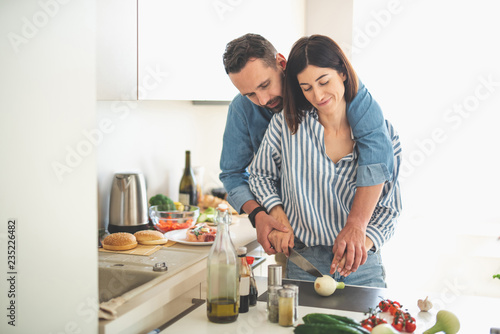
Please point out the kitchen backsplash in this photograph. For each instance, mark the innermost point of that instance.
(151, 137)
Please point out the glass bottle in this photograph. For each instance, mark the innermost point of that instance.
(222, 273)
(188, 191)
(244, 280)
(254, 294)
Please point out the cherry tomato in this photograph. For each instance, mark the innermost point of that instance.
(410, 327)
(398, 326)
(367, 327)
(383, 305)
(393, 309)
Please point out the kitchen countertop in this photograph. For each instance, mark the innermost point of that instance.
(168, 287)
(476, 314)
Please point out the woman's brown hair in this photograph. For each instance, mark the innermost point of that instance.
(320, 51)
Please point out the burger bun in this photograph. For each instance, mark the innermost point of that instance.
(150, 237)
(119, 241)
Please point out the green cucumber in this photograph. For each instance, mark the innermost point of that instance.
(318, 328)
(320, 318)
(346, 320)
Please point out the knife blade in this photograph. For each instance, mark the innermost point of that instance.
(303, 263)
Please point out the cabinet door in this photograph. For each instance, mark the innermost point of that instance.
(181, 43)
(116, 49)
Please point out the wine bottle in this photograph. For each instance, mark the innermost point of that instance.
(188, 193)
(222, 273)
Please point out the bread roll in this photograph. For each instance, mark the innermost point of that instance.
(150, 237)
(119, 241)
(213, 201)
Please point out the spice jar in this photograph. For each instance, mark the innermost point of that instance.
(274, 274)
(295, 288)
(273, 303)
(286, 307)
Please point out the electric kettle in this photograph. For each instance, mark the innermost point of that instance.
(128, 203)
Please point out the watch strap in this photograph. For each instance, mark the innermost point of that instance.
(255, 211)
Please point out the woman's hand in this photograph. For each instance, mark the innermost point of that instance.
(351, 243)
(341, 264)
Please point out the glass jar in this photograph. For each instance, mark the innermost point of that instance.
(295, 288)
(286, 307)
(273, 303)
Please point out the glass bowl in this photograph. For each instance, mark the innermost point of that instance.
(165, 221)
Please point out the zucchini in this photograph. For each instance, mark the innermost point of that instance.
(318, 328)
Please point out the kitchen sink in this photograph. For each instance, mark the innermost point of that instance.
(120, 273)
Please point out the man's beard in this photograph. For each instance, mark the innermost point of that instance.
(278, 107)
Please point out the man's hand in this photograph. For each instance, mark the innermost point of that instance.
(281, 241)
(351, 242)
(264, 224)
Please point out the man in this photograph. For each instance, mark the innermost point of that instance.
(257, 71)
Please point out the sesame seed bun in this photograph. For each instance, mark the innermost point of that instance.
(150, 237)
(119, 241)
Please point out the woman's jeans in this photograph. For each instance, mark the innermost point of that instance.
(372, 273)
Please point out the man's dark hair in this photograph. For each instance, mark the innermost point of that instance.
(246, 47)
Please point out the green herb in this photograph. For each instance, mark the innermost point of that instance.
(197, 229)
(496, 276)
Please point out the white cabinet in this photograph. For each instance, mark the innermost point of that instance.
(116, 49)
(181, 42)
(172, 50)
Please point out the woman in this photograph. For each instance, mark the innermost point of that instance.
(309, 149)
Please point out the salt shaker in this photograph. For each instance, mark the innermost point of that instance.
(286, 307)
(273, 303)
(274, 274)
(295, 288)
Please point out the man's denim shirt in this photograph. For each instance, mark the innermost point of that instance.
(247, 123)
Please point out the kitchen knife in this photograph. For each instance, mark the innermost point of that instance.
(302, 263)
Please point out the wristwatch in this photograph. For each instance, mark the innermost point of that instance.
(255, 211)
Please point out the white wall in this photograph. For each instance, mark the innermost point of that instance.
(47, 97)
(333, 18)
(427, 63)
(152, 137)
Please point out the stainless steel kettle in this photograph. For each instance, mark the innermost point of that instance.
(128, 203)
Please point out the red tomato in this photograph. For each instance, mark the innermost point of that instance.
(367, 327)
(410, 327)
(398, 326)
(393, 309)
(383, 305)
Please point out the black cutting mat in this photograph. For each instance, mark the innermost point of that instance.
(351, 298)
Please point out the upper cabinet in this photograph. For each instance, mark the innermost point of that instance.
(180, 43)
(116, 50)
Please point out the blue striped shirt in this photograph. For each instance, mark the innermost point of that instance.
(317, 194)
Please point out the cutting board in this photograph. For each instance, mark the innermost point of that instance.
(145, 250)
(353, 299)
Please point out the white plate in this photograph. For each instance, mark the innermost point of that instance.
(180, 237)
